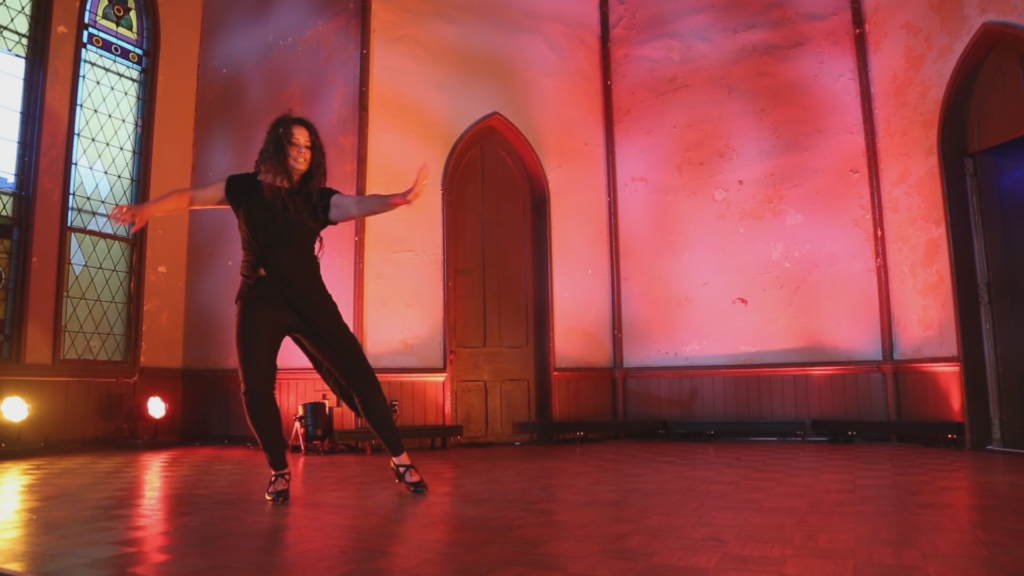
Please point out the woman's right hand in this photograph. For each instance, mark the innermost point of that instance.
(133, 215)
(136, 215)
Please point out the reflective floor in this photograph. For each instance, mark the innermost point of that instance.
(596, 508)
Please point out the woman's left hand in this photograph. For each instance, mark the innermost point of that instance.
(410, 195)
(345, 207)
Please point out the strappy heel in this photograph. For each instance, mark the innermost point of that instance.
(279, 496)
(400, 470)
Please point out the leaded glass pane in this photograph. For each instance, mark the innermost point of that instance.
(118, 19)
(105, 166)
(96, 298)
(130, 55)
(104, 173)
(8, 205)
(15, 16)
(8, 256)
(12, 82)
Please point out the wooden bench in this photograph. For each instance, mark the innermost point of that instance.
(439, 432)
(741, 429)
(939, 433)
(582, 429)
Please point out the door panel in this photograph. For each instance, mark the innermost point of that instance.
(515, 404)
(512, 272)
(471, 405)
(469, 323)
(1001, 189)
(489, 252)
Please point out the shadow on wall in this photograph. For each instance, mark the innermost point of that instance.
(260, 58)
(816, 354)
(397, 354)
(583, 339)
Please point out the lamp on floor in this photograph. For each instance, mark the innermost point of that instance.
(154, 408)
(15, 410)
(157, 409)
(313, 427)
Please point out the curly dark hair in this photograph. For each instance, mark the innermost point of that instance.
(298, 198)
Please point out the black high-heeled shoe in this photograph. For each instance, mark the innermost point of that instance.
(400, 470)
(279, 496)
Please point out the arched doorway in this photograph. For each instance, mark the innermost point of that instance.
(497, 279)
(981, 147)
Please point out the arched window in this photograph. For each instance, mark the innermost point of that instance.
(100, 287)
(18, 60)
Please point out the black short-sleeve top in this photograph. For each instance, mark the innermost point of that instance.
(281, 243)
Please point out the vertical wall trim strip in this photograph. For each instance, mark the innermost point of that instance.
(138, 280)
(867, 107)
(613, 216)
(32, 129)
(361, 158)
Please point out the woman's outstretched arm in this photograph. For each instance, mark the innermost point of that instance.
(175, 201)
(345, 207)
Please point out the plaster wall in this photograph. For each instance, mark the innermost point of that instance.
(437, 67)
(744, 201)
(163, 309)
(914, 47)
(258, 59)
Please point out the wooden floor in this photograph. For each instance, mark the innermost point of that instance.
(617, 507)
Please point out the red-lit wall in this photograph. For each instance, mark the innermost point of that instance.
(744, 199)
(914, 46)
(744, 194)
(259, 59)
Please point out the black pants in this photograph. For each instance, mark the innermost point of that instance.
(265, 318)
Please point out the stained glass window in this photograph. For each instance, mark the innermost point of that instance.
(100, 290)
(15, 19)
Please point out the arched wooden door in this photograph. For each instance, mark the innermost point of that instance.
(496, 270)
(982, 150)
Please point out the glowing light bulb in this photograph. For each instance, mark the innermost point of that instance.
(14, 409)
(156, 407)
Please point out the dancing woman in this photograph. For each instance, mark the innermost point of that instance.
(282, 207)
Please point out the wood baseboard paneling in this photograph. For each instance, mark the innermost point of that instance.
(90, 404)
(928, 390)
(215, 409)
(583, 395)
(82, 403)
